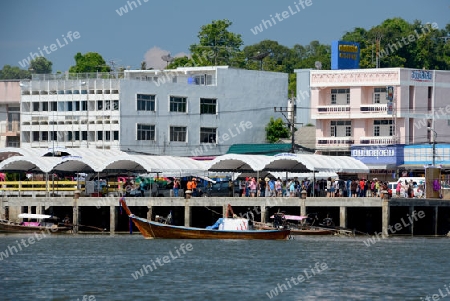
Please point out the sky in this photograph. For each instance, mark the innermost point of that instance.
(149, 29)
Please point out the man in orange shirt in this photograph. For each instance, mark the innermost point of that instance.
(362, 186)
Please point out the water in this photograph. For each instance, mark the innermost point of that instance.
(101, 267)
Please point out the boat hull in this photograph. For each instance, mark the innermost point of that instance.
(12, 227)
(151, 229)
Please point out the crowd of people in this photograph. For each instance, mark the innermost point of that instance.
(275, 187)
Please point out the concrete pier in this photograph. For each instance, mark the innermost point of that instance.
(346, 212)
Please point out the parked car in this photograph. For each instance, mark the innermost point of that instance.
(220, 189)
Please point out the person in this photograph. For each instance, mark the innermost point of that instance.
(230, 188)
(328, 187)
(176, 187)
(279, 187)
(142, 188)
(398, 188)
(252, 187)
(194, 187)
(66, 220)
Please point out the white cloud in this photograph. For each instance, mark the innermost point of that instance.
(153, 57)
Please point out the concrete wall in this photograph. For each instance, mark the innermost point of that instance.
(245, 101)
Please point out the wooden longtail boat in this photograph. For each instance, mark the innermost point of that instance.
(43, 223)
(151, 229)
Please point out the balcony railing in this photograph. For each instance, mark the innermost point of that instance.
(379, 108)
(345, 141)
(377, 140)
(333, 109)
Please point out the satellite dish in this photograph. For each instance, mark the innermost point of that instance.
(167, 58)
(260, 56)
(318, 65)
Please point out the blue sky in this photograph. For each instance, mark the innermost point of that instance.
(172, 26)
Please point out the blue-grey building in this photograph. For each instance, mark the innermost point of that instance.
(197, 111)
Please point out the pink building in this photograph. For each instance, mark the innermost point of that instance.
(9, 113)
(350, 107)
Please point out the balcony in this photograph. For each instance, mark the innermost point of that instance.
(335, 141)
(11, 128)
(373, 108)
(332, 109)
(377, 140)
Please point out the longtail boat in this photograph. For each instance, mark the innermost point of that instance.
(150, 229)
(42, 223)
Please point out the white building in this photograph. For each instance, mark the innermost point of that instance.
(196, 111)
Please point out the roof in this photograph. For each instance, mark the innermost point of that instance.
(259, 149)
(289, 162)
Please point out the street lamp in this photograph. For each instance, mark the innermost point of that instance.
(434, 143)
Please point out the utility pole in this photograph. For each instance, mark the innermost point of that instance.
(290, 119)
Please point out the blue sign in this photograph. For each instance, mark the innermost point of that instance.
(344, 55)
(422, 75)
(378, 154)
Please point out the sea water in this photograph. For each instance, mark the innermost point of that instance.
(129, 267)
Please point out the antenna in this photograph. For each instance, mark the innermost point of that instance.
(318, 65)
(259, 57)
(168, 59)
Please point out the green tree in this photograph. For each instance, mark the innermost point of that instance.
(277, 58)
(90, 62)
(221, 45)
(41, 65)
(276, 129)
(183, 61)
(9, 72)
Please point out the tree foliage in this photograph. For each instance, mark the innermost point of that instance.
(9, 72)
(41, 65)
(90, 62)
(276, 129)
(218, 45)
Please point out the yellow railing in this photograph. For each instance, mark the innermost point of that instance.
(53, 186)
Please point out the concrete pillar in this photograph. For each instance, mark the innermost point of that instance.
(76, 215)
(343, 217)
(149, 213)
(411, 209)
(303, 207)
(385, 216)
(224, 210)
(436, 211)
(112, 219)
(187, 214)
(263, 213)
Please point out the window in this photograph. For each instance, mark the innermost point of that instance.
(35, 106)
(208, 106)
(44, 136)
(146, 132)
(35, 136)
(115, 105)
(178, 133)
(77, 105)
(204, 79)
(208, 135)
(99, 105)
(145, 102)
(84, 135)
(376, 130)
(69, 106)
(340, 96)
(383, 127)
(116, 135)
(77, 136)
(107, 135)
(45, 106)
(84, 105)
(54, 106)
(69, 136)
(99, 135)
(178, 104)
(341, 128)
(379, 95)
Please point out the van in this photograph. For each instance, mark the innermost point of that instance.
(418, 186)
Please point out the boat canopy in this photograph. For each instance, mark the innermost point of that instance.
(31, 215)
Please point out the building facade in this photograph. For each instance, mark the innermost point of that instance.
(351, 108)
(9, 113)
(197, 111)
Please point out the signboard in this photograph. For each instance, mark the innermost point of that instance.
(390, 93)
(390, 107)
(344, 55)
(422, 75)
(378, 154)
